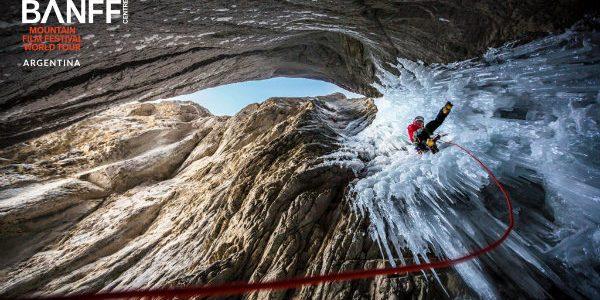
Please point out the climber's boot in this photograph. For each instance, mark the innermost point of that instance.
(432, 145)
(430, 142)
(447, 108)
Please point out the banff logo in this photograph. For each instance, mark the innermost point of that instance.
(84, 11)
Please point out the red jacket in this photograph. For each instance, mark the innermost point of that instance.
(412, 128)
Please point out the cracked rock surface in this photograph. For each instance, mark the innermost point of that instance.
(165, 194)
(178, 46)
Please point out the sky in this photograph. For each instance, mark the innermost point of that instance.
(231, 98)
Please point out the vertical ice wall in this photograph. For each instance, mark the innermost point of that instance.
(532, 113)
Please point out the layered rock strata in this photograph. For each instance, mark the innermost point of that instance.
(166, 194)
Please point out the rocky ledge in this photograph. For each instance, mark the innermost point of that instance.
(165, 194)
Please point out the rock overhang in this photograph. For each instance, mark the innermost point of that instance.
(169, 50)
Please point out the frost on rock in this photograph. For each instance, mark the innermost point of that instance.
(531, 113)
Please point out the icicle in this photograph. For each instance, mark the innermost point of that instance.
(531, 112)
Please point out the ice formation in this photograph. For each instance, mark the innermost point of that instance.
(532, 113)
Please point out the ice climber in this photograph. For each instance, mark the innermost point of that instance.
(422, 136)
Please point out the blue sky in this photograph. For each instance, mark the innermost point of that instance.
(231, 98)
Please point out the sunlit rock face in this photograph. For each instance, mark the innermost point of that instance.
(119, 196)
(176, 47)
(163, 194)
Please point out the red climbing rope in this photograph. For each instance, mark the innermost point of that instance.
(233, 288)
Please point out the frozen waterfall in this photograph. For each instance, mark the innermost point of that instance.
(532, 113)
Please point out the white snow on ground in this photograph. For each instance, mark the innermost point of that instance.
(532, 114)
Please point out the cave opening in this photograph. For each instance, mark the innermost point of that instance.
(228, 99)
(104, 189)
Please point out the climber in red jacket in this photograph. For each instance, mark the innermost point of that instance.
(422, 135)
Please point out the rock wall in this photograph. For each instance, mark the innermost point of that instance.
(175, 47)
(163, 194)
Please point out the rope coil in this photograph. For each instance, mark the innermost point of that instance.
(239, 287)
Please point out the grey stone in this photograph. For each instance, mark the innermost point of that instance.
(174, 47)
